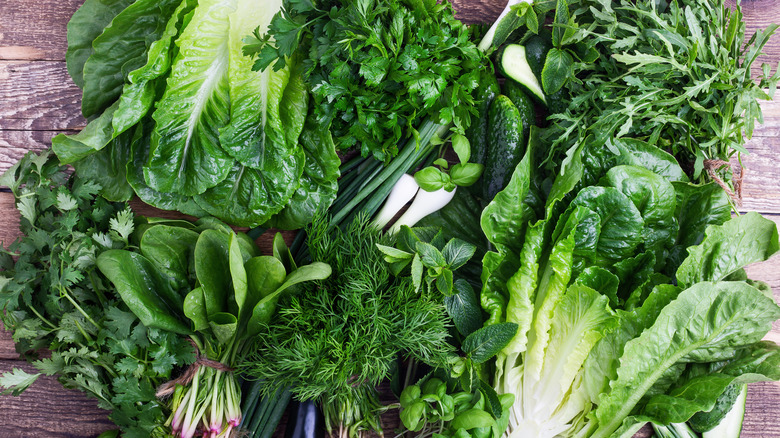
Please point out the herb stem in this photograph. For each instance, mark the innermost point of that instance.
(65, 293)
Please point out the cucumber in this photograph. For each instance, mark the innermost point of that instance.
(523, 103)
(477, 132)
(558, 101)
(512, 64)
(731, 424)
(506, 146)
(705, 421)
(536, 48)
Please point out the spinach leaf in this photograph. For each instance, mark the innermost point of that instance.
(144, 290)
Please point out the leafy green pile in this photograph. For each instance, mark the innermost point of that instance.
(339, 338)
(178, 117)
(204, 281)
(377, 69)
(53, 297)
(675, 74)
(618, 323)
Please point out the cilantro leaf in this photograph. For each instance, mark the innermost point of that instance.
(16, 381)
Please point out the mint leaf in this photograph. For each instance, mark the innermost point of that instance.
(486, 342)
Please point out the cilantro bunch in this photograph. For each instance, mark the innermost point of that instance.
(377, 69)
(52, 297)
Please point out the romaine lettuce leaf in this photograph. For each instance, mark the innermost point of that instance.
(726, 248)
(318, 182)
(140, 90)
(707, 316)
(185, 154)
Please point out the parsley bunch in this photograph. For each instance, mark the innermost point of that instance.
(377, 69)
(53, 297)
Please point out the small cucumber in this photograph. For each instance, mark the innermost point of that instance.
(536, 48)
(727, 402)
(512, 64)
(506, 146)
(730, 426)
(477, 132)
(523, 103)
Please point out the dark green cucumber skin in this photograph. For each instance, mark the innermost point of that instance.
(704, 421)
(478, 131)
(524, 104)
(558, 101)
(506, 146)
(536, 48)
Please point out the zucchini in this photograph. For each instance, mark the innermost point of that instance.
(730, 426)
(512, 64)
(477, 132)
(506, 146)
(523, 103)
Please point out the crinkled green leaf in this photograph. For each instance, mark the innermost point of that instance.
(185, 155)
(726, 248)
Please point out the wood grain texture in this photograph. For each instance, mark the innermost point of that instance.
(47, 410)
(38, 95)
(35, 29)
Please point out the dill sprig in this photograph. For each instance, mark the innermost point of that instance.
(337, 339)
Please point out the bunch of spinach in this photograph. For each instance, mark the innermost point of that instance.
(675, 74)
(618, 325)
(178, 117)
(339, 338)
(204, 281)
(377, 69)
(52, 297)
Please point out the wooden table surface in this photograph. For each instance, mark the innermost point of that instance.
(38, 100)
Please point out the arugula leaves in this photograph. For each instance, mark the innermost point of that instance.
(674, 74)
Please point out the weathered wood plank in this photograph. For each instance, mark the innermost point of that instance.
(47, 409)
(761, 185)
(38, 95)
(35, 30)
(14, 144)
(763, 403)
